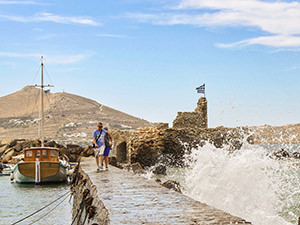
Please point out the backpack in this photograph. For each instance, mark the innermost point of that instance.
(106, 140)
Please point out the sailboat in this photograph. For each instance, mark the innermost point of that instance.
(41, 164)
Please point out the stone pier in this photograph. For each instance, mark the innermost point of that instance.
(121, 197)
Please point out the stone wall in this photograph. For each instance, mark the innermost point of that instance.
(153, 145)
(87, 206)
(196, 119)
(142, 145)
(121, 149)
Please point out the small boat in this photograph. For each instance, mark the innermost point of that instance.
(5, 170)
(41, 164)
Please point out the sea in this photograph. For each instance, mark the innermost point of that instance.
(18, 201)
(249, 183)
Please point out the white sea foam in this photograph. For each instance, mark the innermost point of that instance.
(246, 183)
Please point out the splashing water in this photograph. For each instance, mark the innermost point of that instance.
(246, 183)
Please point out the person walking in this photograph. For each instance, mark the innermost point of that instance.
(108, 145)
(99, 145)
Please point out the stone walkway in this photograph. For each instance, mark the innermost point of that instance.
(132, 199)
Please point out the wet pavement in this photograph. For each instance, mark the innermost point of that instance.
(133, 199)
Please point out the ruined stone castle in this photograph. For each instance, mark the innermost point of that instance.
(196, 119)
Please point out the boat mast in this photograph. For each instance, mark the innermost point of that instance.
(42, 102)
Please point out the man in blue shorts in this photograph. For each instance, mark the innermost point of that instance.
(108, 144)
(98, 139)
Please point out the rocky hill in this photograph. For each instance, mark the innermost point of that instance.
(67, 116)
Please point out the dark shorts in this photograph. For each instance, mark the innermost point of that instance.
(106, 151)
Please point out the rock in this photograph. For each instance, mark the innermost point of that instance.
(16, 159)
(51, 144)
(160, 169)
(18, 147)
(27, 144)
(158, 180)
(8, 150)
(174, 185)
(73, 157)
(71, 146)
(36, 143)
(87, 151)
(77, 150)
(161, 125)
(12, 143)
(296, 155)
(281, 154)
(15, 141)
(5, 142)
(3, 148)
(8, 155)
(137, 168)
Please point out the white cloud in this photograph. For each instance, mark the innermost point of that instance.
(278, 18)
(274, 17)
(50, 59)
(49, 17)
(280, 41)
(14, 18)
(20, 3)
(19, 55)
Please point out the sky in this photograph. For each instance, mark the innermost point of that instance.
(146, 58)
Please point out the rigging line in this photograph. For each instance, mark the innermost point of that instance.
(37, 72)
(26, 217)
(27, 110)
(46, 214)
(52, 112)
(45, 69)
(48, 75)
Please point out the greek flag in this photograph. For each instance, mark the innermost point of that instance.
(201, 89)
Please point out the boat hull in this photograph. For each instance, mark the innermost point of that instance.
(50, 172)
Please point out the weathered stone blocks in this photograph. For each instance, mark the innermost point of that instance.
(196, 119)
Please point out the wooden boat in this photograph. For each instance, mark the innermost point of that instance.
(41, 164)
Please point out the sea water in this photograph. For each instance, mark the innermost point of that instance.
(248, 183)
(20, 200)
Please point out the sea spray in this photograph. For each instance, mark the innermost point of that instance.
(247, 183)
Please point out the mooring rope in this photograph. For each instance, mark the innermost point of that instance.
(40, 209)
(43, 216)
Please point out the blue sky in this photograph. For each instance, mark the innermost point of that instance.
(146, 58)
